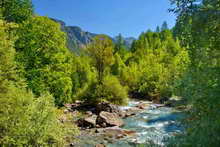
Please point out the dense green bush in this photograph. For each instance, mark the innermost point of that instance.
(113, 91)
(82, 75)
(201, 85)
(110, 90)
(7, 54)
(29, 121)
(156, 63)
(41, 50)
(26, 120)
(16, 10)
(118, 66)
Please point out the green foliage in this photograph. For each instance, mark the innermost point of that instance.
(27, 121)
(101, 51)
(113, 91)
(110, 90)
(120, 46)
(7, 54)
(118, 66)
(157, 66)
(16, 10)
(82, 75)
(105, 88)
(200, 86)
(158, 61)
(41, 50)
(9, 72)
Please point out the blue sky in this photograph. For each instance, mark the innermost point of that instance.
(128, 17)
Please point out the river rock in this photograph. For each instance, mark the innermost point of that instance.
(107, 107)
(143, 105)
(100, 145)
(89, 113)
(88, 122)
(106, 119)
(131, 111)
(174, 103)
(163, 100)
(71, 144)
(116, 132)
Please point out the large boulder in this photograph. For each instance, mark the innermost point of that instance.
(104, 106)
(106, 119)
(88, 122)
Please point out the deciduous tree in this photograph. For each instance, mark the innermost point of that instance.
(101, 50)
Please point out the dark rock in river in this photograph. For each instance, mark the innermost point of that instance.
(174, 103)
(131, 111)
(107, 107)
(106, 119)
(88, 122)
(164, 100)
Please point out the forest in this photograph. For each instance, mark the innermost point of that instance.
(39, 75)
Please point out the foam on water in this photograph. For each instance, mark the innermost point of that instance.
(154, 124)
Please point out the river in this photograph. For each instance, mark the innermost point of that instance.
(154, 125)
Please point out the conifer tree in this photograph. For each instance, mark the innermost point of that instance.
(120, 47)
(158, 29)
(164, 26)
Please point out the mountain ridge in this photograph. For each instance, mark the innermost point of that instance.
(77, 38)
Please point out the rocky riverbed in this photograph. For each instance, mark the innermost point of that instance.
(139, 123)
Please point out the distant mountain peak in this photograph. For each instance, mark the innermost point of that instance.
(78, 38)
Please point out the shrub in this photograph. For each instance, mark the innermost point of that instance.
(114, 92)
(82, 75)
(110, 90)
(29, 121)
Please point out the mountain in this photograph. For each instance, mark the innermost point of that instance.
(78, 38)
(127, 41)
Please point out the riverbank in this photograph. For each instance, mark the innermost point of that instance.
(141, 122)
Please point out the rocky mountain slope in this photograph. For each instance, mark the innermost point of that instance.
(78, 38)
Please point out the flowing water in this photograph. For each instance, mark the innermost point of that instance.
(154, 125)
